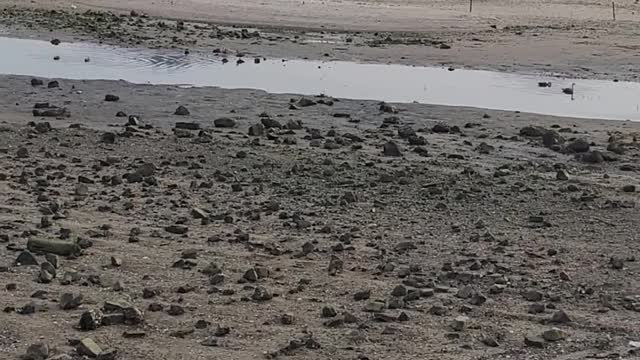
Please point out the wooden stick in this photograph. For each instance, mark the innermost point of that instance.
(613, 6)
(470, 5)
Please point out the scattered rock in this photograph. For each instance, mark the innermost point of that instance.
(562, 175)
(579, 146)
(69, 301)
(182, 111)
(391, 149)
(38, 351)
(534, 341)
(88, 347)
(224, 123)
(553, 335)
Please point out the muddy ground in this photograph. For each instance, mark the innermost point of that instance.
(459, 248)
(204, 223)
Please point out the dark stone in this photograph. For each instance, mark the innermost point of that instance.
(52, 112)
(305, 102)
(224, 123)
(256, 130)
(111, 98)
(108, 138)
(551, 138)
(441, 129)
(579, 146)
(182, 111)
(187, 125)
(270, 123)
(532, 131)
(391, 149)
(177, 229)
(26, 258)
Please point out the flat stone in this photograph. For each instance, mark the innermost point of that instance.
(534, 341)
(88, 347)
(177, 229)
(553, 335)
(459, 323)
(375, 306)
(224, 123)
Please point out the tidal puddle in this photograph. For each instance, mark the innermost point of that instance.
(393, 83)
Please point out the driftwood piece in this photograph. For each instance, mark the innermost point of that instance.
(58, 247)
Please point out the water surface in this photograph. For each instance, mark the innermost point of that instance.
(393, 83)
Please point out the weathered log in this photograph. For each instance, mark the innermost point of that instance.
(58, 247)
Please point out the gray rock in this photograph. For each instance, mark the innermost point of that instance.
(22, 153)
(111, 98)
(182, 111)
(616, 263)
(391, 149)
(69, 301)
(552, 139)
(532, 131)
(375, 307)
(26, 258)
(88, 347)
(406, 132)
(465, 292)
(485, 148)
(90, 320)
(399, 291)
(256, 130)
(562, 175)
(560, 317)
(532, 295)
(177, 229)
(629, 188)
(335, 265)
(38, 351)
(441, 129)
(592, 157)
(261, 294)
(459, 323)
(146, 170)
(534, 341)
(579, 146)
(305, 102)
(329, 312)
(251, 275)
(175, 310)
(553, 335)
(224, 123)
(362, 295)
(186, 126)
(270, 123)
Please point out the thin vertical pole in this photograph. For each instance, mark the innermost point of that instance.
(613, 6)
(470, 5)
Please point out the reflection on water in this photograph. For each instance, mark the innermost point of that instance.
(394, 83)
